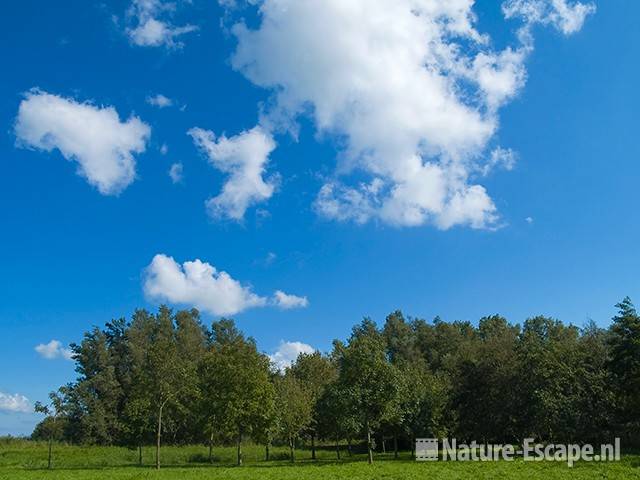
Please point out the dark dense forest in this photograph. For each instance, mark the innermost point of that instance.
(167, 378)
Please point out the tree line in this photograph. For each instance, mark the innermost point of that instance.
(167, 378)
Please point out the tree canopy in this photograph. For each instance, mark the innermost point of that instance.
(167, 378)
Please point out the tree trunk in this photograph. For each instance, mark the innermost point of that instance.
(211, 447)
(349, 446)
(158, 435)
(313, 446)
(292, 450)
(337, 447)
(395, 445)
(413, 447)
(369, 451)
(50, 449)
(266, 451)
(384, 447)
(240, 448)
(140, 455)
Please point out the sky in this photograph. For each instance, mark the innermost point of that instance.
(300, 164)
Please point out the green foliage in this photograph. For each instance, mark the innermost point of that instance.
(368, 381)
(166, 378)
(294, 407)
(624, 345)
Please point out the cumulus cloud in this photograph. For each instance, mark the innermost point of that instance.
(176, 172)
(198, 284)
(410, 88)
(244, 159)
(288, 352)
(54, 350)
(565, 16)
(287, 302)
(159, 101)
(94, 137)
(15, 403)
(149, 26)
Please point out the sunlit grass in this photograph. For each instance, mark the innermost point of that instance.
(27, 460)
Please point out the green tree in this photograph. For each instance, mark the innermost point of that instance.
(97, 392)
(315, 372)
(400, 339)
(369, 381)
(237, 383)
(547, 389)
(51, 427)
(624, 365)
(295, 408)
(484, 411)
(336, 419)
(161, 374)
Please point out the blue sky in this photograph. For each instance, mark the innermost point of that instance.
(552, 231)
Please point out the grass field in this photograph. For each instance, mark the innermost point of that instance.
(21, 460)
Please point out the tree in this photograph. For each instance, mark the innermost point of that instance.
(484, 411)
(237, 383)
(597, 404)
(191, 344)
(51, 428)
(369, 381)
(98, 392)
(315, 372)
(547, 387)
(294, 406)
(624, 364)
(400, 340)
(336, 418)
(160, 373)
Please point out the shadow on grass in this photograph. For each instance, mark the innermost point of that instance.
(205, 464)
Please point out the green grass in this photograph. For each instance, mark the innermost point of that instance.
(23, 460)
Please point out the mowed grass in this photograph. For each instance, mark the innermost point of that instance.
(28, 460)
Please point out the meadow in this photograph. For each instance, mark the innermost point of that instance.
(26, 460)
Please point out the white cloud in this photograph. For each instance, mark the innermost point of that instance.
(53, 350)
(93, 136)
(287, 302)
(568, 17)
(500, 158)
(164, 149)
(159, 101)
(150, 27)
(288, 352)
(175, 172)
(199, 284)
(15, 403)
(409, 87)
(529, 220)
(244, 158)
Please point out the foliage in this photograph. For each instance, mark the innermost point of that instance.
(167, 378)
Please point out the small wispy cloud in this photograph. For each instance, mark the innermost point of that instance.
(176, 172)
(54, 350)
(288, 302)
(150, 26)
(159, 101)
